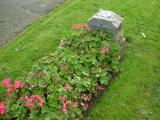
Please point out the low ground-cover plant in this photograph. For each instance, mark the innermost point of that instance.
(61, 84)
(17, 104)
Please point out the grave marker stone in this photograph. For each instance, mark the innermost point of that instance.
(109, 21)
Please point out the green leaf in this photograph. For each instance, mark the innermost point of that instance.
(104, 79)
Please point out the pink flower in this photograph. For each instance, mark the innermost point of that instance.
(6, 83)
(29, 104)
(64, 108)
(28, 101)
(66, 104)
(2, 109)
(18, 84)
(67, 86)
(40, 100)
(22, 99)
(107, 49)
(104, 50)
(31, 100)
(37, 98)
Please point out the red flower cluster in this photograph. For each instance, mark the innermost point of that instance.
(11, 88)
(6, 83)
(85, 101)
(31, 101)
(67, 104)
(100, 87)
(104, 50)
(2, 109)
(85, 97)
(18, 84)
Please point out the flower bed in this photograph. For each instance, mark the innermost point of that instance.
(62, 84)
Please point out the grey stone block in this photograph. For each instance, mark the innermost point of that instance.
(106, 20)
(109, 21)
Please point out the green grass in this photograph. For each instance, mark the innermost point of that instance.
(135, 94)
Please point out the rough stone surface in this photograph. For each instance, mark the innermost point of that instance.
(109, 21)
(106, 20)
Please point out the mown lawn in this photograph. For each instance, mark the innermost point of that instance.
(135, 94)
